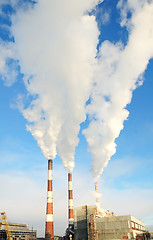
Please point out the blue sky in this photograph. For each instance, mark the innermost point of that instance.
(126, 184)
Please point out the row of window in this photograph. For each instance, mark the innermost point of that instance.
(137, 226)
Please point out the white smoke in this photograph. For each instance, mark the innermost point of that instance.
(8, 74)
(119, 71)
(56, 44)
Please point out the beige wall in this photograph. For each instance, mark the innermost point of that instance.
(105, 228)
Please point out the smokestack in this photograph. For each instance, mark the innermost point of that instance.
(70, 194)
(97, 195)
(49, 232)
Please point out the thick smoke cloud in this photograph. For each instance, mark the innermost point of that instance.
(118, 72)
(55, 42)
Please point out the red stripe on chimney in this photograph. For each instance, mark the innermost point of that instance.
(70, 201)
(49, 231)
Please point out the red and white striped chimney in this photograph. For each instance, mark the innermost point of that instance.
(49, 232)
(70, 203)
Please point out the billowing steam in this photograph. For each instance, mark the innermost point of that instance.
(56, 45)
(118, 72)
(55, 42)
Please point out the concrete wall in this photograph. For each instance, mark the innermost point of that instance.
(104, 227)
(80, 223)
(117, 227)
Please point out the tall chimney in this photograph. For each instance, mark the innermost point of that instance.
(97, 198)
(49, 232)
(70, 203)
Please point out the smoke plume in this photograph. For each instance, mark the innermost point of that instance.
(118, 72)
(55, 43)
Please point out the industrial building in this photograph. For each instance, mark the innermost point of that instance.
(93, 223)
(17, 231)
(84, 222)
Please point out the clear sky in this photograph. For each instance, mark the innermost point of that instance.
(68, 65)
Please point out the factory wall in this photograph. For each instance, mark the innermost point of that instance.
(92, 223)
(118, 227)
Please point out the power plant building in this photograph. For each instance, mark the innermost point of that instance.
(18, 231)
(93, 223)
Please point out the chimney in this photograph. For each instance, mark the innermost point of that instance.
(70, 203)
(97, 198)
(49, 231)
